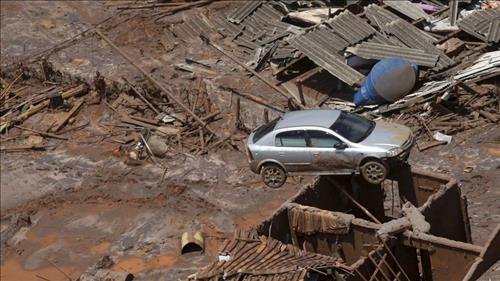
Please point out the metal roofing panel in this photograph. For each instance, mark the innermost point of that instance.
(477, 23)
(350, 27)
(330, 40)
(379, 51)
(379, 16)
(408, 9)
(413, 38)
(386, 39)
(243, 11)
(494, 31)
(192, 28)
(223, 26)
(321, 55)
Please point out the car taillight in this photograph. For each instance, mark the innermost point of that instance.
(249, 154)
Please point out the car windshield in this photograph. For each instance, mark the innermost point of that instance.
(264, 129)
(353, 127)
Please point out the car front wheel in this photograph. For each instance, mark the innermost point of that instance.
(273, 175)
(374, 172)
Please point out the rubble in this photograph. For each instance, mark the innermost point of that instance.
(121, 123)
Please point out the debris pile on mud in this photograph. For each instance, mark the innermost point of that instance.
(123, 126)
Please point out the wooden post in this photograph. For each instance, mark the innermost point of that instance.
(301, 94)
(237, 109)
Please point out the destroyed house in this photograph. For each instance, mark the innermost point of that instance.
(339, 229)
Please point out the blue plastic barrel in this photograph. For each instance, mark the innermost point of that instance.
(389, 80)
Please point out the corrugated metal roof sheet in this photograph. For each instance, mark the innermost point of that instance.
(192, 28)
(243, 11)
(494, 31)
(377, 51)
(262, 27)
(350, 27)
(478, 23)
(262, 258)
(330, 40)
(223, 26)
(324, 55)
(386, 39)
(379, 16)
(408, 9)
(414, 38)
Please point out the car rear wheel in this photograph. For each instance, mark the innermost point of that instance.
(273, 175)
(374, 172)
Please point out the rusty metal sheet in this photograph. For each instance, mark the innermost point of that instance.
(243, 11)
(350, 27)
(378, 51)
(321, 54)
(408, 9)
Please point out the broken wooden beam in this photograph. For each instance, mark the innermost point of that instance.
(73, 110)
(186, 6)
(43, 134)
(21, 148)
(37, 108)
(253, 98)
(141, 96)
(488, 116)
(430, 145)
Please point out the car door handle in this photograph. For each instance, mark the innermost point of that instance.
(282, 154)
(316, 154)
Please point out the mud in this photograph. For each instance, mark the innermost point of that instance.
(85, 202)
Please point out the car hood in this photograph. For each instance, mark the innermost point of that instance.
(387, 135)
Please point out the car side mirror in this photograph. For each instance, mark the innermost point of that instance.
(340, 145)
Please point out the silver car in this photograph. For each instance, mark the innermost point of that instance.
(326, 142)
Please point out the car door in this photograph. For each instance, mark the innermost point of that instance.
(292, 150)
(329, 153)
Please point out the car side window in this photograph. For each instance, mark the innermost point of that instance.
(291, 139)
(322, 139)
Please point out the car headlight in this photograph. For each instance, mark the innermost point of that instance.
(394, 152)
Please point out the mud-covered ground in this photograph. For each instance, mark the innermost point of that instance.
(84, 202)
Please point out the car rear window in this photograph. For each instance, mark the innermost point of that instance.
(353, 127)
(264, 130)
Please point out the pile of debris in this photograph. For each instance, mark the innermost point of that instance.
(145, 123)
(310, 43)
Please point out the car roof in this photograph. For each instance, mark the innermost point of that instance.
(313, 117)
